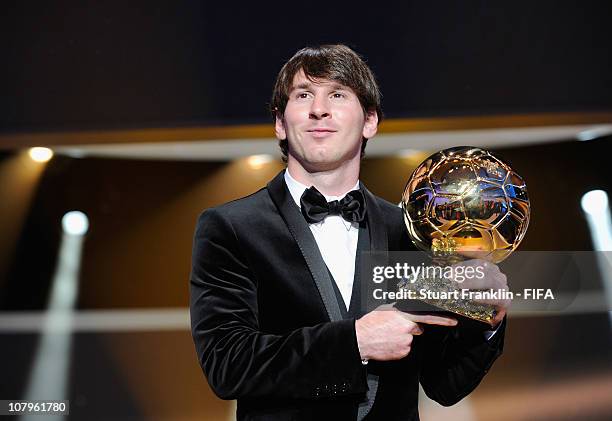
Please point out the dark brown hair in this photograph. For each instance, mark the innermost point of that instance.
(332, 62)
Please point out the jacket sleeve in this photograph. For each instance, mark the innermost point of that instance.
(237, 357)
(454, 361)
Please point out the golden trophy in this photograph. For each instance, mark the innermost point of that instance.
(463, 203)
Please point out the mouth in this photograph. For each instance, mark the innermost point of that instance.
(321, 132)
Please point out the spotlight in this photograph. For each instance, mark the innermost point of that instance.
(597, 212)
(39, 154)
(594, 133)
(594, 202)
(75, 223)
(258, 161)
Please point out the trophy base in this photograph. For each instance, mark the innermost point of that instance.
(468, 313)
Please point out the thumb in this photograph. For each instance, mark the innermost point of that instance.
(430, 319)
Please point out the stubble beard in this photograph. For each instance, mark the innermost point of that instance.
(323, 160)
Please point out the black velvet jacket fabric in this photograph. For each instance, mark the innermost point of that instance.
(267, 334)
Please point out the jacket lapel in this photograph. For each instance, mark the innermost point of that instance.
(376, 222)
(300, 231)
(378, 244)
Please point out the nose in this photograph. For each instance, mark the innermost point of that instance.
(319, 108)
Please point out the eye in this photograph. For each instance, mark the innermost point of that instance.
(302, 95)
(339, 95)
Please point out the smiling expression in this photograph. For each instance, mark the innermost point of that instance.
(324, 123)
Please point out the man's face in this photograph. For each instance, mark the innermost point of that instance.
(324, 123)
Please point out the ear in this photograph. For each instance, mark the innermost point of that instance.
(279, 127)
(370, 126)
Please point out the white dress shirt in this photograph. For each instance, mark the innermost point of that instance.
(336, 239)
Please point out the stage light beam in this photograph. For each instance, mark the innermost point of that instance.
(596, 207)
(49, 374)
(39, 154)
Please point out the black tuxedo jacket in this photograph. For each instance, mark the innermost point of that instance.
(268, 330)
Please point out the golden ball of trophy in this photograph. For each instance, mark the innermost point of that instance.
(465, 201)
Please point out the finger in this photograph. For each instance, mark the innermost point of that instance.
(499, 302)
(490, 280)
(491, 267)
(473, 283)
(430, 319)
(478, 262)
(499, 316)
(502, 279)
(417, 330)
(390, 306)
(478, 283)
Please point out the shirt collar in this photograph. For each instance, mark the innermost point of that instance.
(297, 189)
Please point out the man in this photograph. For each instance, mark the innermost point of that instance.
(275, 297)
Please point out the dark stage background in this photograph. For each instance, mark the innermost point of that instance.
(69, 67)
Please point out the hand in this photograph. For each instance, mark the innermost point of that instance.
(386, 333)
(493, 279)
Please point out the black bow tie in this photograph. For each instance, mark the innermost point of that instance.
(315, 207)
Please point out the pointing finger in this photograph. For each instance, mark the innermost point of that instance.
(430, 319)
